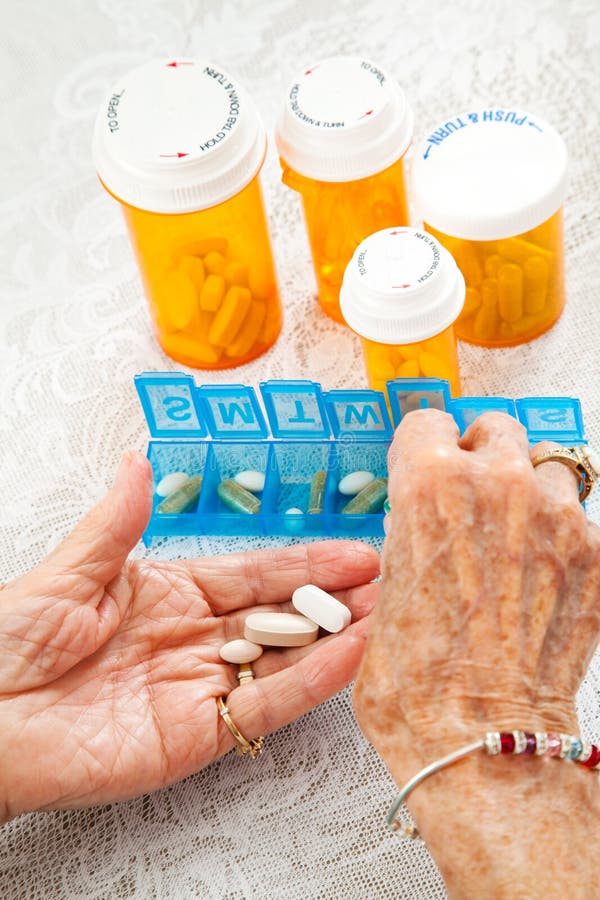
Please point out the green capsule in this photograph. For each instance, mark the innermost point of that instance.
(183, 498)
(238, 498)
(369, 500)
(317, 492)
(387, 508)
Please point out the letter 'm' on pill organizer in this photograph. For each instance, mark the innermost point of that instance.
(280, 630)
(321, 607)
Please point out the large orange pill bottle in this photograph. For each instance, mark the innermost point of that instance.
(180, 144)
(490, 184)
(343, 130)
(402, 293)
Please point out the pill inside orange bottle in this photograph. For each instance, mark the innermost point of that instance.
(402, 293)
(343, 131)
(180, 145)
(490, 185)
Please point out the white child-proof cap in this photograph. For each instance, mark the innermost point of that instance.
(401, 286)
(489, 174)
(177, 135)
(343, 119)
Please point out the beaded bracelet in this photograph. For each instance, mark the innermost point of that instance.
(539, 743)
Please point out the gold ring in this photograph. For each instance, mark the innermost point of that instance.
(245, 673)
(244, 747)
(582, 461)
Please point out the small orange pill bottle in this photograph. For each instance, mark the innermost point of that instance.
(180, 145)
(342, 133)
(402, 293)
(490, 185)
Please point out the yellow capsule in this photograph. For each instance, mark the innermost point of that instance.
(517, 250)
(187, 349)
(431, 366)
(212, 293)
(230, 316)
(193, 267)
(472, 301)
(527, 325)
(201, 246)
(492, 265)
(177, 299)
(408, 369)
(485, 325)
(214, 263)
(236, 273)
(468, 262)
(249, 333)
(510, 292)
(535, 274)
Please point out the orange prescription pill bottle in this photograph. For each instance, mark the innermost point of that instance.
(342, 133)
(180, 144)
(490, 185)
(402, 293)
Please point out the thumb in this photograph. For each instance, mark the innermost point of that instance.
(97, 548)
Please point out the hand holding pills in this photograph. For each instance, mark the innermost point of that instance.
(112, 667)
(488, 615)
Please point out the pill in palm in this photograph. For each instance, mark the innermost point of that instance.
(280, 630)
(354, 482)
(251, 480)
(238, 498)
(240, 651)
(369, 500)
(320, 607)
(183, 498)
(170, 483)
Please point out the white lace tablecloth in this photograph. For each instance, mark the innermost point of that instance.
(306, 820)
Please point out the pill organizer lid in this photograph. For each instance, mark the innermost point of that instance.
(343, 119)
(408, 394)
(489, 174)
(358, 414)
(401, 286)
(552, 419)
(177, 135)
(295, 409)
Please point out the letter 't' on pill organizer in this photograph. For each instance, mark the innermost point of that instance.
(293, 459)
(490, 184)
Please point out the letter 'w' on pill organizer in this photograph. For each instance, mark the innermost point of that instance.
(305, 442)
(490, 184)
(179, 144)
(401, 294)
(343, 130)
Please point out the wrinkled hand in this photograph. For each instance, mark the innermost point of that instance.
(109, 668)
(490, 605)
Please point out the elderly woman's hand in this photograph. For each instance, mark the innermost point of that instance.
(488, 616)
(110, 669)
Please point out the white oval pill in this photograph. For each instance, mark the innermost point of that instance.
(321, 607)
(240, 651)
(251, 480)
(354, 483)
(280, 629)
(171, 483)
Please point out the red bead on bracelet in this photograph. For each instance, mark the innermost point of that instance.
(543, 744)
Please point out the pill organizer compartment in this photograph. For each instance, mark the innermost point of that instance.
(167, 457)
(294, 432)
(223, 462)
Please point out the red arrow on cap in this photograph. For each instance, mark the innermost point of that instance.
(400, 285)
(369, 113)
(395, 232)
(172, 155)
(175, 64)
(310, 71)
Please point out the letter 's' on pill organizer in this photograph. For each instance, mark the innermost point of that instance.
(310, 446)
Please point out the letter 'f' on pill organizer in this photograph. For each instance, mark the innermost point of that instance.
(304, 441)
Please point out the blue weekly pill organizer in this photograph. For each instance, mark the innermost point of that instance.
(216, 431)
